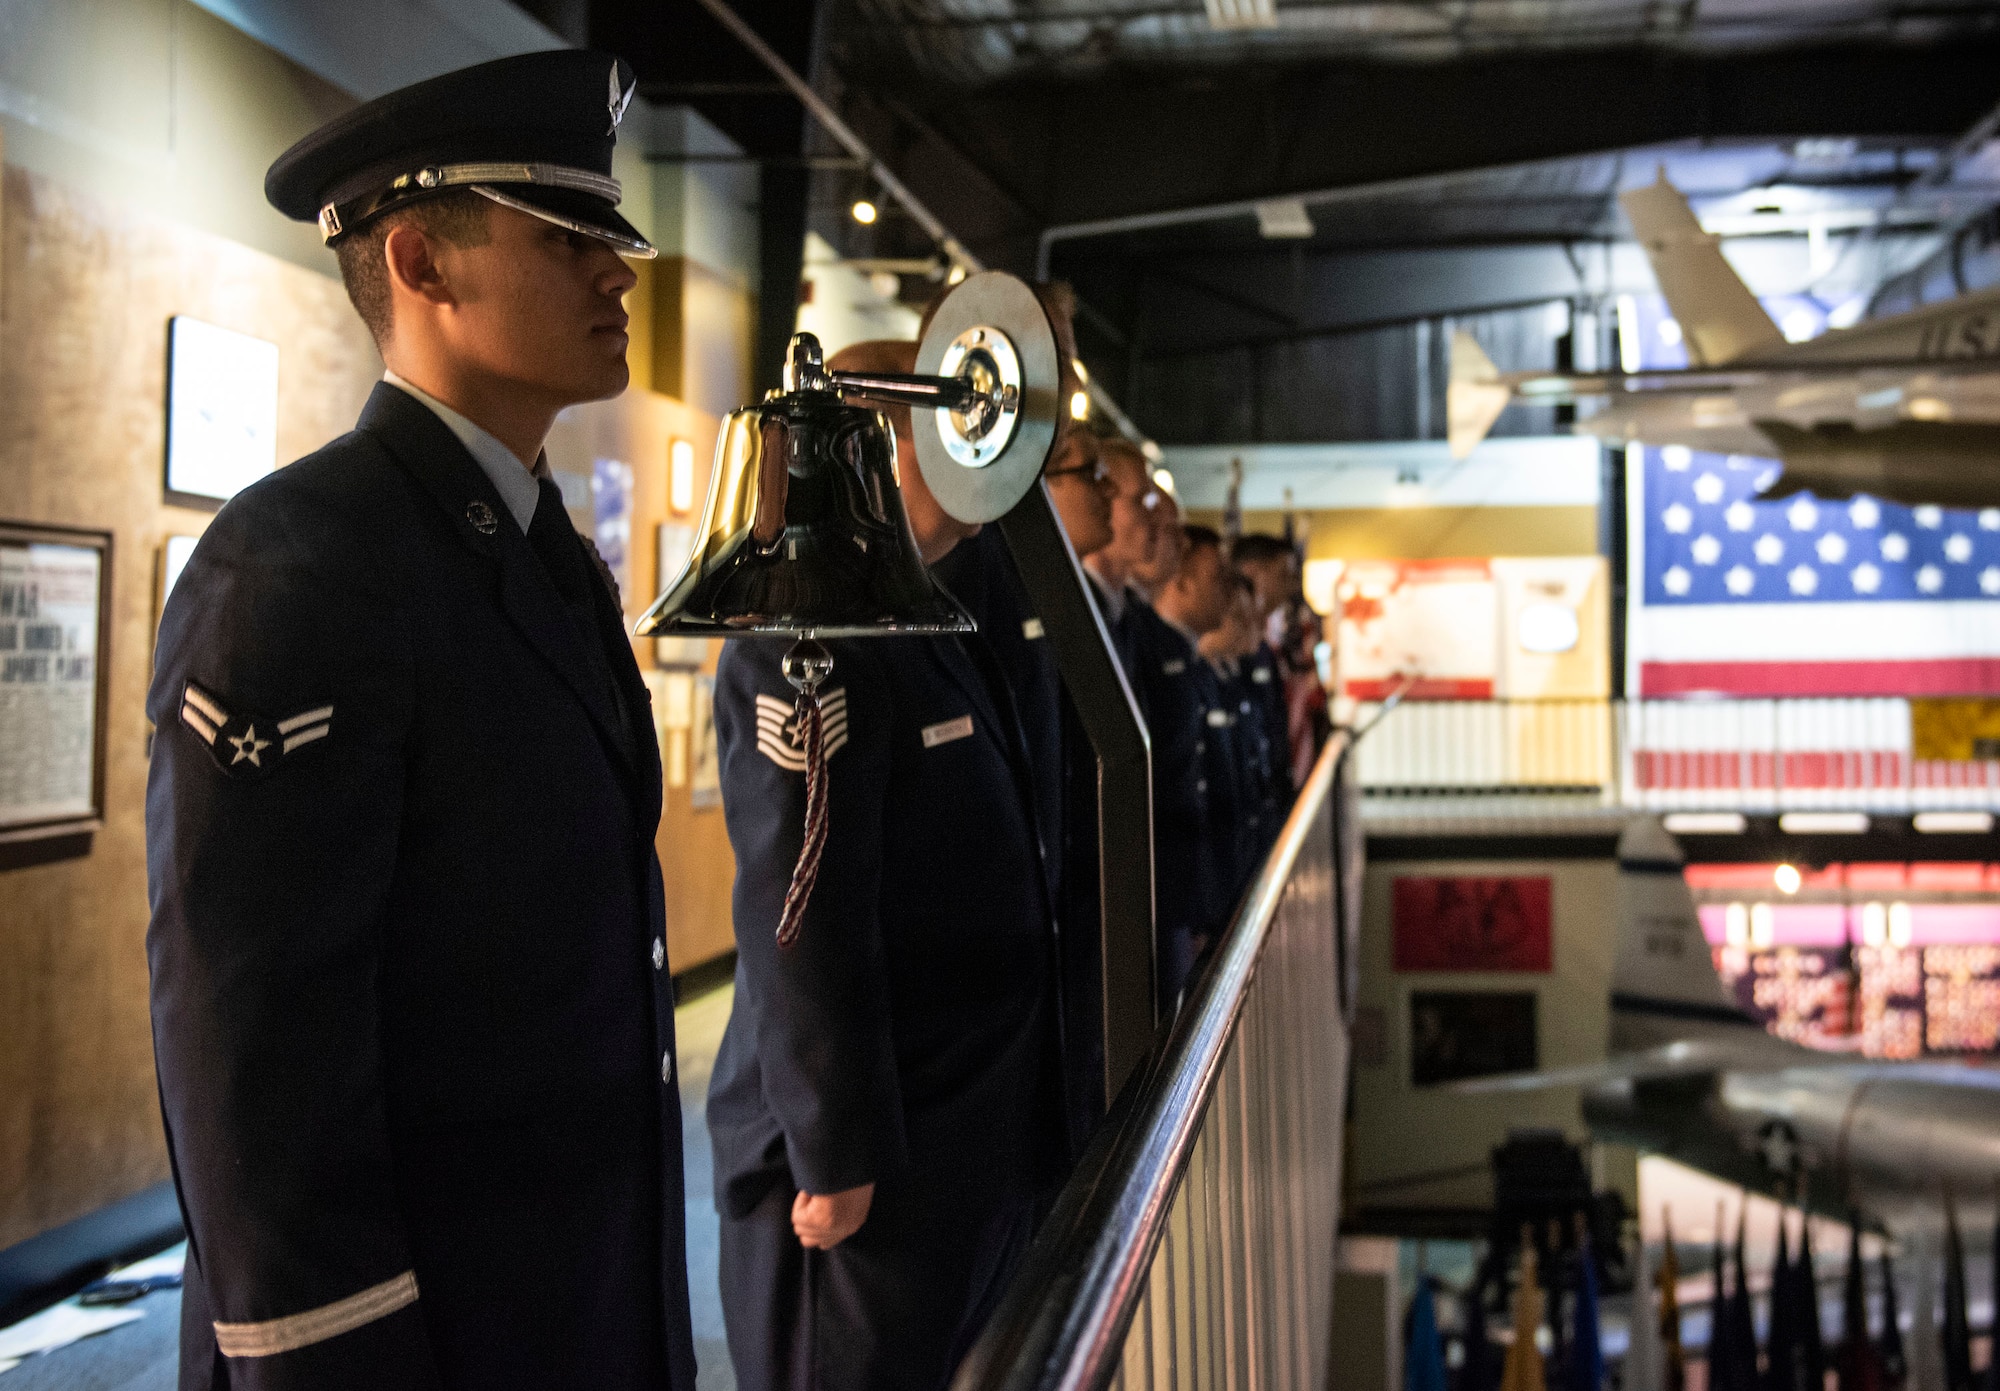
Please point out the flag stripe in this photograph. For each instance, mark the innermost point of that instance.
(1935, 677)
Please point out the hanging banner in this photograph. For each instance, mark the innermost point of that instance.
(1473, 924)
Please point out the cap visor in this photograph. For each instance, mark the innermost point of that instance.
(576, 210)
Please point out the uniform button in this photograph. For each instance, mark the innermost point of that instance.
(659, 954)
(667, 1067)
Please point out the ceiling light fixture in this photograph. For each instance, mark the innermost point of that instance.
(1824, 823)
(1241, 14)
(1079, 405)
(864, 211)
(1704, 823)
(1950, 823)
(1283, 219)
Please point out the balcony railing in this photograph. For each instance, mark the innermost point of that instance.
(1671, 755)
(1194, 1246)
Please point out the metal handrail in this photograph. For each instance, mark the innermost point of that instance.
(1069, 1308)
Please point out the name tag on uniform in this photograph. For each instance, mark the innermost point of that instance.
(935, 734)
(1173, 668)
(1032, 628)
(1218, 719)
(1261, 675)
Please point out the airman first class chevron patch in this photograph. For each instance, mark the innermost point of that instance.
(250, 746)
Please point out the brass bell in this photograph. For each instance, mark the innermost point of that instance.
(805, 533)
(805, 530)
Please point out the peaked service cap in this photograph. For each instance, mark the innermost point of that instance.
(534, 131)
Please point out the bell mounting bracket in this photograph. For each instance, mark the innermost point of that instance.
(976, 392)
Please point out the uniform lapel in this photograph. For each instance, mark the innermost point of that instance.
(974, 671)
(958, 666)
(422, 444)
(650, 785)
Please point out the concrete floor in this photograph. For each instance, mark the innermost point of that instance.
(142, 1356)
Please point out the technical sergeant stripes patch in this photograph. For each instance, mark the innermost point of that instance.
(779, 738)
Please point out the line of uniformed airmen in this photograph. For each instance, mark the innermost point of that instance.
(899, 1096)
(412, 1008)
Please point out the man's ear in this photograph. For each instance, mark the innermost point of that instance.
(413, 266)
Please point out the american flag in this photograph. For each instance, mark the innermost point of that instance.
(1744, 596)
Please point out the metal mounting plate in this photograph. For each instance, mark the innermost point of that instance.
(975, 484)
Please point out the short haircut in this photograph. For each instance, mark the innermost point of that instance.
(875, 355)
(1058, 299)
(457, 216)
(1259, 546)
(1201, 538)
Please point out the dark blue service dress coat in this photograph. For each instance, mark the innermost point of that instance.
(1195, 855)
(1062, 770)
(1266, 679)
(906, 1039)
(412, 1023)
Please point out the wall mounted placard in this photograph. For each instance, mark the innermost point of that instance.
(174, 556)
(54, 640)
(1459, 1034)
(222, 409)
(1466, 923)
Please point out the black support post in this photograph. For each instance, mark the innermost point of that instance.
(1110, 716)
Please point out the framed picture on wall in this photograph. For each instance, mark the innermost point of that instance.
(222, 409)
(55, 586)
(1457, 1034)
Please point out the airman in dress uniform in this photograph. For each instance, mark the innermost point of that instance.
(886, 1108)
(1193, 813)
(411, 1010)
(1272, 567)
(1062, 766)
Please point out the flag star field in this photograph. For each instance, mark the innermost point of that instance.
(1710, 539)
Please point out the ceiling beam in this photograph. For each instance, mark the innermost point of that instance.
(1134, 144)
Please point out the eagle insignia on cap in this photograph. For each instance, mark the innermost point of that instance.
(245, 746)
(621, 97)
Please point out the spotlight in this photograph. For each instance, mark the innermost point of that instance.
(957, 274)
(1082, 372)
(864, 211)
(1787, 878)
(1079, 406)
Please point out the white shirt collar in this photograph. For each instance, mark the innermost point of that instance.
(1112, 599)
(518, 484)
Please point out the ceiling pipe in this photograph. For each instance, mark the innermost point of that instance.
(954, 250)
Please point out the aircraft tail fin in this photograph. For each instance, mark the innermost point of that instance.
(1663, 959)
(1721, 321)
(1670, 1013)
(1475, 397)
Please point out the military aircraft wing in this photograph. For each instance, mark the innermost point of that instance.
(1905, 408)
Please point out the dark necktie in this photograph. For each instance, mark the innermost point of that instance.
(575, 578)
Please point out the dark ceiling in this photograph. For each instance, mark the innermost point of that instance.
(968, 43)
(1122, 144)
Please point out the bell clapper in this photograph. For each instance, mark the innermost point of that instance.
(807, 666)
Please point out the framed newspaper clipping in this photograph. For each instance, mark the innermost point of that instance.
(55, 586)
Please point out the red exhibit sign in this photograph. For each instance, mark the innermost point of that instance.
(1473, 924)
